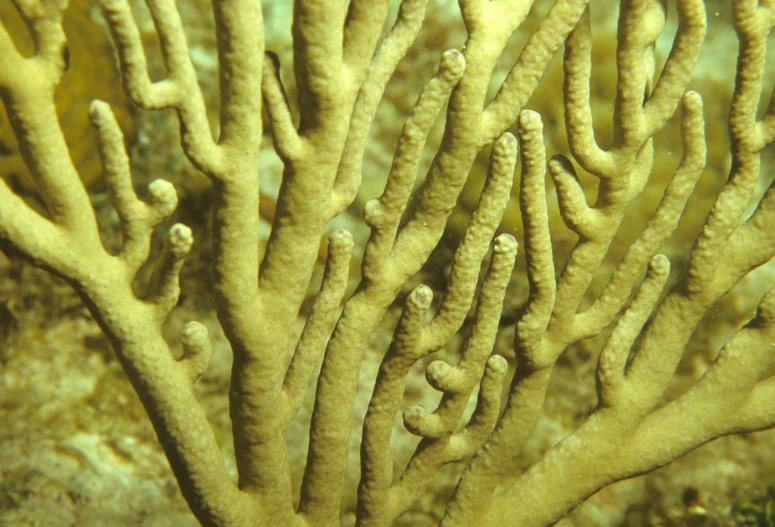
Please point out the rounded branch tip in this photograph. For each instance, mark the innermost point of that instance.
(97, 109)
(497, 365)
(765, 313)
(414, 8)
(341, 240)
(104, 122)
(660, 265)
(454, 62)
(560, 166)
(436, 372)
(692, 102)
(180, 239)
(414, 417)
(421, 297)
(193, 334)
(446, 378)
(505, 243)
(163, 195)
(271, 60)
(162, 190)
(197, 349)
(530, 121)
(505, 146)
(371, 212)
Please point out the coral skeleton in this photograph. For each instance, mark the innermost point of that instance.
(344, 54)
